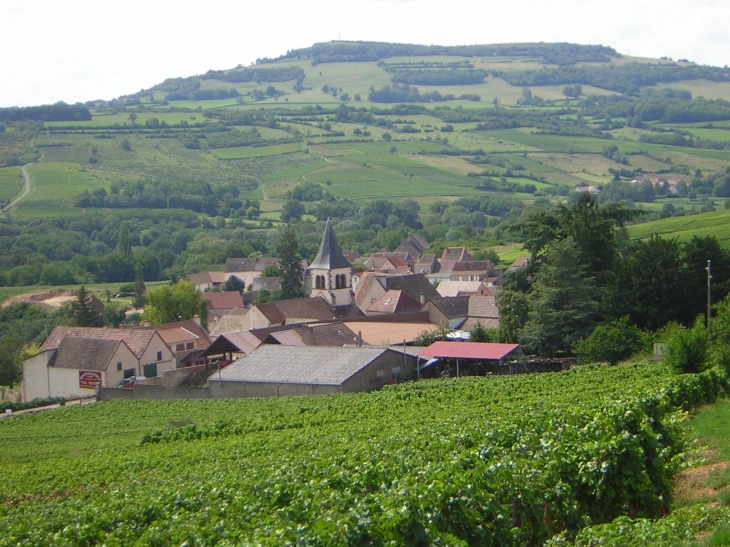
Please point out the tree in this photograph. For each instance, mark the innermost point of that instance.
(687, 348)
(292, 210)
(83, 314)
(178, 302)
(292, 274)
(234, 283)
(123, 244)
(563, 303)
(272, 270)
(479, 334)
(115, 313)
(613, 342)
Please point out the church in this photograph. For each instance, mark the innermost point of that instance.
(330, 275)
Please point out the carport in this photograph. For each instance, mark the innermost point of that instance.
(461, 351)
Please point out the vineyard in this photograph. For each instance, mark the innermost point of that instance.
(474, 461)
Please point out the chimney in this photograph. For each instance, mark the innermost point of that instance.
(307, 334)
(146, 322)
(358, 340)
(422, 298)
(196, 318)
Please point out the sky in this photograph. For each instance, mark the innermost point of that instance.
(80, 50)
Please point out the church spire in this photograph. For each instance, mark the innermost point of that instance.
(330, 255)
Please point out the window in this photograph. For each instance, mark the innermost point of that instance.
(150, 371)
(159, 356)
(178, 347)
(190, 345)
(119, 365)
(129, 373)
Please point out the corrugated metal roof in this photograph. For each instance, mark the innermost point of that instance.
(299, 365)
(468, 350)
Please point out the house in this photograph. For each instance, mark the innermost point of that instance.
(206, 281)
(586, 189)
(451, 312)
(462, 288)
(394, 301)
(73, 361)
(386, 264)
(330, 275)
(287, 312)
(413, 244)
(183, 339)
(373, 286)
(482, 310)
(427, 264)
(278, 370)
(247, 269)
(470, 270)
(222, 303)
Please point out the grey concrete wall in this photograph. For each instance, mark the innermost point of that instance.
(154, 392)
(368, 379)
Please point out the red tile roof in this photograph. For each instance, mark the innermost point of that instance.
(468, 350)
(223, 300)
(136, 339)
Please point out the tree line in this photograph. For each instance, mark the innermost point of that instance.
(58, 112)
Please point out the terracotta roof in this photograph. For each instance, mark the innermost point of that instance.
(189, 325)
(311, 365)
(173, 336)
(223, 300)
(234, 265)
(486, 322)
(303, 309)
(395, 301)
(288, 337)
(457, 254)
(330, 255)
(203, 278)
(452, 307)
(136, 339)
(236, 342)
(414, 244)
(332, 334)
(483, 306)
(414, 285)
(387, 333)
(468, 350)
(83, 353)
(482, 266)
(455, 288)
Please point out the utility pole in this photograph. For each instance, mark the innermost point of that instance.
(709, 297)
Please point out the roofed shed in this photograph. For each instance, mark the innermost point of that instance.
(274, 370)
(469, 351)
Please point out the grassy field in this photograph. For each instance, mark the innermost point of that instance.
(57, 184)
(256, 151)
(715, 223)
(11, 182)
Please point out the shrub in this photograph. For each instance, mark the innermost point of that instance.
(612, 343)
(687, 348)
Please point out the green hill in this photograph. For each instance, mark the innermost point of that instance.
(474, 135)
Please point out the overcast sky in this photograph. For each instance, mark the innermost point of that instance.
(78, 50)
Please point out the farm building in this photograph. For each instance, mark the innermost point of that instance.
(276, 371)
(461, 353)
(73, 361)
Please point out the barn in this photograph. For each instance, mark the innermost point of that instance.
(276, 371)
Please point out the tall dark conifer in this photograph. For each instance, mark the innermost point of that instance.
(292, 279)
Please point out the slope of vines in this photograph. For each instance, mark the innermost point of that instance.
(487, 461)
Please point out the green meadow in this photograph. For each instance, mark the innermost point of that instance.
(11, 183)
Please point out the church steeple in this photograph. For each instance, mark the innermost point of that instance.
(330, 255)
(330, 275)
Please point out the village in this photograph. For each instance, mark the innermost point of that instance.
(364, 322)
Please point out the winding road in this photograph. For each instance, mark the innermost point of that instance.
(26, 189)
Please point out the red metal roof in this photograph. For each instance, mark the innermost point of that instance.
(468, 350)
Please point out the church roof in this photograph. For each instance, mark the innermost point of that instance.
(330, 255)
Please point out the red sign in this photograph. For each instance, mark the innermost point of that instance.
(89, 379)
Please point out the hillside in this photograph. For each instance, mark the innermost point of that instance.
(475, 136)
(474, 461)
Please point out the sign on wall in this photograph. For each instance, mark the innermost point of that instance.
(89, 379)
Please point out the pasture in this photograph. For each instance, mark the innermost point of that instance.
(11, 183)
